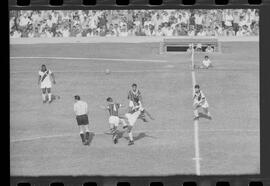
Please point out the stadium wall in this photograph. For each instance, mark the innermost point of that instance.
(136, 39)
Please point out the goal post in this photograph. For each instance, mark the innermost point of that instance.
(182, 44)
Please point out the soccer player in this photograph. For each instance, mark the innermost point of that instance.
(206, 63)
(81, 111)
(114, 119)
(132, 117)
(135, 99)
(199, 100)
(45, 80)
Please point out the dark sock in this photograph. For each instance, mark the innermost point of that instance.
(82, 137)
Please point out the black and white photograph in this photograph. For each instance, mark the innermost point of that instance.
(134, 92)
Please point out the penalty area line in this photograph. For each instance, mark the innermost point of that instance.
(89, 59)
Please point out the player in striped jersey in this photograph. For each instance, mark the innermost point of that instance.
(199, 100)
(135, 100)
(114, 119)
(45, 80)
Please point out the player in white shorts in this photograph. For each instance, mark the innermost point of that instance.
(114, 119)
(206, 63)
(45, 80)
(132, 117)
(199, 100)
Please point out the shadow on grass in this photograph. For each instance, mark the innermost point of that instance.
(140, 136)
(91, 137)
(202, 115)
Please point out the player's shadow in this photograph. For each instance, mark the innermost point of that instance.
(91, 137)
(202, 115)
(140, 136)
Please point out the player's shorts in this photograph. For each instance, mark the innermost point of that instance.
(132, 117)
(82, 119)
(46, 84)
(204, 105)
(114, 120)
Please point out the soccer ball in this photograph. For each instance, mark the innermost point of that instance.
(107, 71)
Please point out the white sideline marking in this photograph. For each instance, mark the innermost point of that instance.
(84, 58)
(196, 126)
(156, 131)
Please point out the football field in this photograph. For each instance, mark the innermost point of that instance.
(44, 138)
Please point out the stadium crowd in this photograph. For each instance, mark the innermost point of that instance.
(87, 23)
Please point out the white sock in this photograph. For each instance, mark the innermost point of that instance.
(130, 136)
(50, 96)
(44, 97)
(196, 113)
(86, 128)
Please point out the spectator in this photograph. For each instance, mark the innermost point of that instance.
(87, 23)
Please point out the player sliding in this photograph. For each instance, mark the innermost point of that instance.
(45, 80)
(114, 119)
(135, 99)
(199, 100)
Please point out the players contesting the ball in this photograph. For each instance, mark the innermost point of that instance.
(135, 99)
(199, 100)
(45, 80)
(114, 119)
(81, 110)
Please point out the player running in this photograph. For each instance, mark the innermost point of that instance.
(45, 80)
(114, 119)
(199, 100)
(135, 99)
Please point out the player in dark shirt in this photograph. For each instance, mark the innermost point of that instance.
(114, 119)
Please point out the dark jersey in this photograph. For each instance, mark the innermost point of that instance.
(135, 96)
(113, 109)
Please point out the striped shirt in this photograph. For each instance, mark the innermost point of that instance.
(134, 96)
(113, 109)
(198, 96)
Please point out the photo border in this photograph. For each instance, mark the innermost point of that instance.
(263, 177)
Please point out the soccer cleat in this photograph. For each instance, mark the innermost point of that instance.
(124, 127)
(115, 140)
(131, 142)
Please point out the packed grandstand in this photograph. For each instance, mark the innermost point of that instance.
(88, 23)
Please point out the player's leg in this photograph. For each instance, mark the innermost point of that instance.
(86, 129)
(43, 92)
(205, 108)
(130, 135)
(195, 110)
(82, 135)
(115, 129)
(49, 94)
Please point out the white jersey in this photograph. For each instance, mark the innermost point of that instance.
(45, 80)
(206, 62)
(80, 108)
